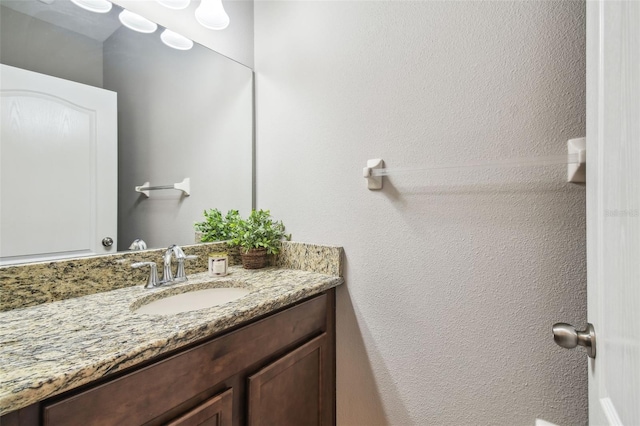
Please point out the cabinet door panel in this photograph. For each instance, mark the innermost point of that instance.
(292, 391)
(216, 411)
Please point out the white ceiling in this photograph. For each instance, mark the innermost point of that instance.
(65, 14)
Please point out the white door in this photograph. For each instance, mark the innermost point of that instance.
(613, 209)
(58, 167)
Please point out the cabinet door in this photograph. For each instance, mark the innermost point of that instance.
(293, 390)
(216, 411)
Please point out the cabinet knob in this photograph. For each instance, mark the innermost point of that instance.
(107, 241)
(567, 336)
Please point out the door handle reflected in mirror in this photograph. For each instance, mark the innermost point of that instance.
(567, 336)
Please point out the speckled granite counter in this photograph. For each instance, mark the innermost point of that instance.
(54, 347)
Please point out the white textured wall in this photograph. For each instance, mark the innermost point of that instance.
(452, 285)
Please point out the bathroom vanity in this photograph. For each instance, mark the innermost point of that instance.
(278, 370)
(267, 358)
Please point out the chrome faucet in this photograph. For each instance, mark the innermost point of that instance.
(167, 274)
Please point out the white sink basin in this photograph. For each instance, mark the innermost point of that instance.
(192, 301)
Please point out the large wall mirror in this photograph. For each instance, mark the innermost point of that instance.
(179, 114)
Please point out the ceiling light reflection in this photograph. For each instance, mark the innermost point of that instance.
(97, 6)
(136, 22)
(175, 40)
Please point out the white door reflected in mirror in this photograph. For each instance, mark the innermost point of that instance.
(58, 168)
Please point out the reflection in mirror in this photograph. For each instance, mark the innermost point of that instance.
(180, 114)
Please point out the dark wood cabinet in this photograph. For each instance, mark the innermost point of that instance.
(216, 411)
(278, 370)
(293, 390)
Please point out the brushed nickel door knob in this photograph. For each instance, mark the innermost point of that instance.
(567, 336)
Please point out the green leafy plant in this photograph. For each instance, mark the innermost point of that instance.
(259, 230)
(216, 227)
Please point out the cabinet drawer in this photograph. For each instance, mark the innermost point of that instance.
(147, 393)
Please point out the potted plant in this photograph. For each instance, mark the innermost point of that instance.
(216, 227)
(258, 236)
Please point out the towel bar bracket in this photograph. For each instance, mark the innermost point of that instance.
(577, 172)
(373, 182)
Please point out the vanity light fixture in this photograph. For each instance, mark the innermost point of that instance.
(97, 6)
(135, 22)
(211, 14)
(175, 40)
(174, 4)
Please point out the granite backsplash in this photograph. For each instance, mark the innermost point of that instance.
(36, 283)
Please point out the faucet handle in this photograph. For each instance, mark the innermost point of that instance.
(153, 273)
(176, 250)
(180, 273)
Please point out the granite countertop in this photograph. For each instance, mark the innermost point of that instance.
(54, 347)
